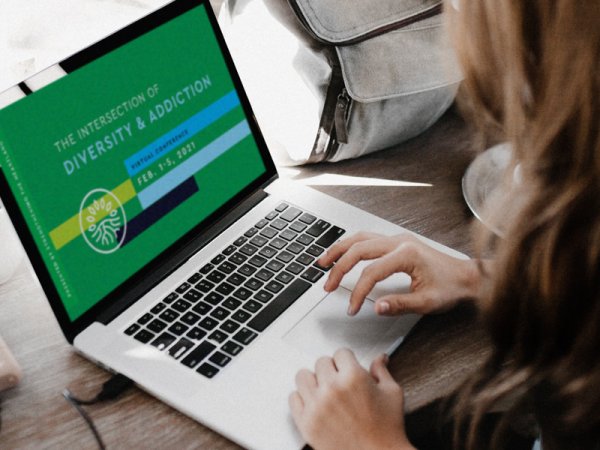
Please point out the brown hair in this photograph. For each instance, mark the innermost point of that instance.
(532, 71)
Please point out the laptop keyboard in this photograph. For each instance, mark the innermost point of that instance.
(220, 309)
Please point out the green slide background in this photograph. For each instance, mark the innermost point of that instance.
(172, 56)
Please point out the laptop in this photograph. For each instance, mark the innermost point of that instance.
(142, 190)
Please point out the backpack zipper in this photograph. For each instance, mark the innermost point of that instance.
(341, 117)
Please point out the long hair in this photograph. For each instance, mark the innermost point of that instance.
(532, 72)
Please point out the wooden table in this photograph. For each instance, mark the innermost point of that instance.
(438, 354)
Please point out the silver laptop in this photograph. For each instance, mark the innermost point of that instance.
(137, 179)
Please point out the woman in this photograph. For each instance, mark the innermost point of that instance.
(532, 72)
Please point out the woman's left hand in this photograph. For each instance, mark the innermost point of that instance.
(341, 405)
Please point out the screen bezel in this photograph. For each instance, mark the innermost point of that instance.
(156, 270)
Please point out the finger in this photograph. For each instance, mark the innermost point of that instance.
(379, 370)
(364, 250)
(397, 304)
(306, 384)
(341, 247)
(345, 360)
(296, 407)
(325, 371)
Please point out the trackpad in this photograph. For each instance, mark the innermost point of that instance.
(327, 327)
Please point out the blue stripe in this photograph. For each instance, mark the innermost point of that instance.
(181, 134)
(188, 168)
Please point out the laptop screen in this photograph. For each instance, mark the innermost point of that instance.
(139, 140)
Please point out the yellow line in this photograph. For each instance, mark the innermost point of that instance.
(69, 230)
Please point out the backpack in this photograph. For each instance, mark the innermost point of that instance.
(335, 79)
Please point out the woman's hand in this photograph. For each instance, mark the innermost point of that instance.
(439, 281)
(341, 405)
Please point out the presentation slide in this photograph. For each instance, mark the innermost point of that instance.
(116, 161)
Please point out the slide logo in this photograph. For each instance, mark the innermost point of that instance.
(102, 221)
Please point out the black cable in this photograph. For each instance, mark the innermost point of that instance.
(111, 389)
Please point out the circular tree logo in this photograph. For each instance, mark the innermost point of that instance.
(102, 222)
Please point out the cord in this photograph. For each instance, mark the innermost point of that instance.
(111, 389)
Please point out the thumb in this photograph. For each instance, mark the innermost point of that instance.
(379, 370)
(394, 305)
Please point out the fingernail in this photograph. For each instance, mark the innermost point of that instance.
(327, 286)
(384, 308)
(350, 310)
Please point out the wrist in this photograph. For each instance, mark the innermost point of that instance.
(471, 280)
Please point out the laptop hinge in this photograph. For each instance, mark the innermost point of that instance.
(178, 259)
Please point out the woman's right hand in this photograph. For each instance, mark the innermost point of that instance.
(439, 281)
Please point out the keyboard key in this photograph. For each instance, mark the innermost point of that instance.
(190, 318)
(244, 336)
(284, 277)
(277, 265)
(144, 336)
(285, 257)
(282, 207)
(251, 232)
(219, 313)
(298, 227)
(196, 333)
(242, 293)
(324, 269)
(305, 239)
(271, 215)
(279, 224)
(229, 250)
(207, 268)
(227, 267)
(181, 305)
(291, 214)
(253, 284)
(240, 241)
(282, 302)
(259, 241)
(332, 235)
(145, 319)
(295, 268)
(180, 348)
(269, 233)
(307, 218)
(257, 261)
(192, 295)
(171, 298)
(236, 279)
(194, 278)
(315, 250)
(252, 306)
(312, 274)
(132, 329)
(215, 276)
(305, 259)
(218, 336)
(220, 359)
(169, 315)
(207, 370)
(288, 235)
(247, 270)
(158, 308)
(218, 259)
(205, 286)
(264, 274)
(295, 248)
(318, 228)
(274, 287)
(263, 296)
(214, 298)
(202, 308)
(232, 348)
(241, 316)
(238, 259)
(225, 288)
(178, 328)
(163, 341)
(230, 326)
(248, 249)
(184, 287)
(261, 224)
(232, 304)
(208, 323)
(268, 252)
(278, 243)
(157, 325)
(201, 351)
